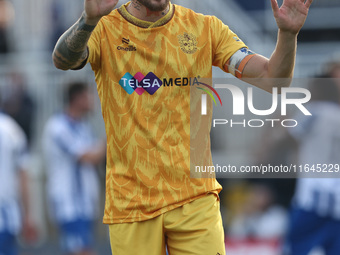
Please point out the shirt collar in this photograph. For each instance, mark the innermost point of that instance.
(146, 24)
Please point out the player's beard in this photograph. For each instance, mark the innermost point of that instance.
(155, 5)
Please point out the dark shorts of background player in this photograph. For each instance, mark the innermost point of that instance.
(8, 245)
(308, 231)
(77, 236)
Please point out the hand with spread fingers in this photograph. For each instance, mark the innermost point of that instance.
(291, 16)
(95, 9)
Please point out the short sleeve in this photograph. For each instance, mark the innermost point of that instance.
(94, 47)
(225, 42)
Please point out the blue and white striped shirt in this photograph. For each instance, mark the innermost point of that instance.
(319, 143)
(73, 187)
(13, 158)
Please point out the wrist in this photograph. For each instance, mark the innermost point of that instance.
(288, 34)
(91, 21)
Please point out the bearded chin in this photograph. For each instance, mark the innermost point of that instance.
(155, 7)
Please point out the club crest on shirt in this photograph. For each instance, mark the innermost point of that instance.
(188, 43)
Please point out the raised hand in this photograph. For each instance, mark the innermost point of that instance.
(291, 16)
(71, 51)
(95, 9)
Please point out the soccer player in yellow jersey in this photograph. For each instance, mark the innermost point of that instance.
(144, 56)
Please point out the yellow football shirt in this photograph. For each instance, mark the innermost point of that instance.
(143, 73)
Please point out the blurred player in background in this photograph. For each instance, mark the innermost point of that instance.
(333, 70)
(6, 18)
(142, 54)
(261, 218)
(315, 221)
(73, 186)
(14, 191)
(19, 104)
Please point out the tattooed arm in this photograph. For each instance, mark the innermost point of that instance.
(71, 50)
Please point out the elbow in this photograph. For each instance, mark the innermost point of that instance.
(278, 82)
(58, 62)
(283, 83)
(63, 68)
(59, 66)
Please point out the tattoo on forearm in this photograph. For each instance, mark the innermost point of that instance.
(72, 46)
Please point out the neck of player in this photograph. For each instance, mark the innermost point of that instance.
(75, 113)
(138, 10)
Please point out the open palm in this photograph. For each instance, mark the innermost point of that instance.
(95, 9)
(291, 16)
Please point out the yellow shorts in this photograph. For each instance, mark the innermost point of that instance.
(194, 228)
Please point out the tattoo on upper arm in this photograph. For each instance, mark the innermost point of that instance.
(72, 46)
